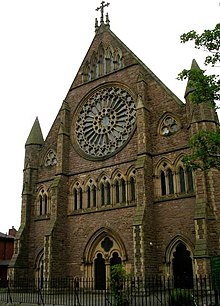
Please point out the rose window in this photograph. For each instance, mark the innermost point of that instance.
(105, 122)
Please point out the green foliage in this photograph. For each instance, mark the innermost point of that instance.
(205, 146)
(204, 88)
(119, 286)
(181, 297)
(209, 40)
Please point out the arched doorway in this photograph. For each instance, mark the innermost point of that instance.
(103, 250)
(182, 267)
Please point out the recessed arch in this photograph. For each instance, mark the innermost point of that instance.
(173, 243)
(93, 242)
(179, 261)
(168, 124)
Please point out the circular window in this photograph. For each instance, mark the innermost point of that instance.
(169, 126)
(104, 122)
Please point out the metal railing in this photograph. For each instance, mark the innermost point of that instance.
(154, 291)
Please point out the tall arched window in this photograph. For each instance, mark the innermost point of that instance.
(119, 62)
(123, 190)
(102, 190)
(103, 64)
(189, 180)
(80, 198)
(45, 204)
(133, 191)
(43, 207)
(96, 68)
(170, 181)
(88, 197)
(117, 199)
(75, 198)
(182, 185)
(111, 63)
(163, 182)
(40, 204)
(94, 195)
(108, 193)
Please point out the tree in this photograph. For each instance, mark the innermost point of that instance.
(119, 285)
(205, 145)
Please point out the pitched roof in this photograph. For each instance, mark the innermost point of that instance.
(2, 235)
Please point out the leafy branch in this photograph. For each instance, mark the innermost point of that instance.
(202, 88)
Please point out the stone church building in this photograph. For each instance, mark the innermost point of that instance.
(108, 184)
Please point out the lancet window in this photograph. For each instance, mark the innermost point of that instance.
(42, 203)
(132, 189)
(103, 193)
(91, 194)
(105, 60)
(173, 179)
(120, 189)
(185, 179)
(77, 196)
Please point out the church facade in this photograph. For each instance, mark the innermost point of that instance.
(108, 184)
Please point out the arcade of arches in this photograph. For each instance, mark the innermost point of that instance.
(106, 249)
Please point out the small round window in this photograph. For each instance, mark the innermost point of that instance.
(169, 126)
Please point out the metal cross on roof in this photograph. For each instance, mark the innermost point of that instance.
(103, 4)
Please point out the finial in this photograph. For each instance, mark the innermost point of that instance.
(96, 24)
(101, 8)
(107, 20)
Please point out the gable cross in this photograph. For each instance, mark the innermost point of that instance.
(103, 4)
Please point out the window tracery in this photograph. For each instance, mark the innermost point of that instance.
(104, 122)
(42, 203)
(169, 126)
(120, 189)
(103, 193)
(51, 159)
(77, 196)
(172, 180)
(91, 194)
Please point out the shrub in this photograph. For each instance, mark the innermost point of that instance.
(181, 297)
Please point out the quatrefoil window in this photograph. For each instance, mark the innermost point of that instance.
(107, 244)
(51, 159)
(169, 126)
(105, 122)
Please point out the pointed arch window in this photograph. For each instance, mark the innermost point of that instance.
(133, 191)
(75, 198)
(123, 190)
(182, 185)
(117, 192)
(103, 65)
(163, 183)
(111, 63)
(170, 181)
(80, 198)
(43, 207)
(108, 193)
(189, 180)
(89, 197)
(40, 204)
(94, 195)
(45, 203)
(96, 68)
(119, 62)
(102, 189)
